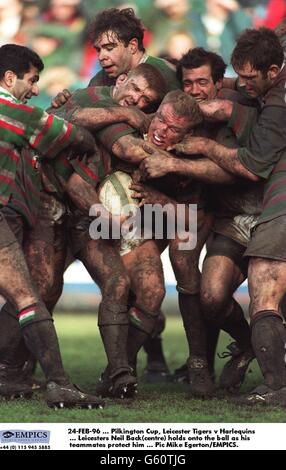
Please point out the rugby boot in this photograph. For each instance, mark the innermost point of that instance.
(122, 385)
(70, 396)
(200, 380)
(103, 388)
(156, 372)
(181, 374)
(233, 373)
(263, 395)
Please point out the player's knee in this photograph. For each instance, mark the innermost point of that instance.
(213, 302)
(155, 297)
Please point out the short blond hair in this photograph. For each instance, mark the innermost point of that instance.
(184, 106)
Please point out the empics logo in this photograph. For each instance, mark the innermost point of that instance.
(25, 437)
(8, 434)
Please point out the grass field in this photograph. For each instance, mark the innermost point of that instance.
(84, 360)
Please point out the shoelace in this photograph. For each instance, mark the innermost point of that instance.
(233, 351)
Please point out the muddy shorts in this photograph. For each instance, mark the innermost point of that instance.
(51, 224)
(268, 240)
(237, 228)
(225, 246)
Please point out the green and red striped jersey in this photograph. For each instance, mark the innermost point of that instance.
(22, 125)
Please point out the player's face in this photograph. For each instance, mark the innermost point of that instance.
(134, 91)
(26, 87)
(166, 127)
(114, 57)
(252, 80)
(199, 84)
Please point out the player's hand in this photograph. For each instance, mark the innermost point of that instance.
(191, 145)
(137, 119)
(152, 167)
(147, 194)
(61, 99)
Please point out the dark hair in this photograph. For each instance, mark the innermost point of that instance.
(18, 59)
(123, 23)
(184, 106)
(197, 57)
(155, 81)
(260, 47)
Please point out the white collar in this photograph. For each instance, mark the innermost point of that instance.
(9, 95)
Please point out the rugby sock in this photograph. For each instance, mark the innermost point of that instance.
(154, 349)
(13, 350)
(141, 327)
(194, 324)
(153, 345)
(268, 342)
(212, 335)
(114, 338)
(236, 325)
(41, 338)
(113, 325)
(136, 339)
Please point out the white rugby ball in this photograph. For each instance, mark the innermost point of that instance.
(115, 194)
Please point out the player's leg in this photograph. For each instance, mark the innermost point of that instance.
(185, 266)
(267, 281)
(222, 274)
(147, 283)
(35, 322)
(104, 264)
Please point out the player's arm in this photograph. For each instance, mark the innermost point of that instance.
(84, 196)
(134, 150)
(98, 118)
(203, 169)
(219, 110)
(49, 134)
(82, 193)
(225, 157)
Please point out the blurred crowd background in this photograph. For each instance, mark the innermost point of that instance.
(58, 31)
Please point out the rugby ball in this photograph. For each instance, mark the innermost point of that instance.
(115, 194)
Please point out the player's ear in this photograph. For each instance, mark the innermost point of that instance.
(121, 79)
(273, 72)
(133, 45)
(10, 78)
